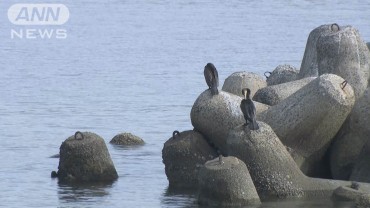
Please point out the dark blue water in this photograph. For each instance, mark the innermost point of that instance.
(135, 66)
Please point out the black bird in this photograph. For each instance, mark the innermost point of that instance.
(211, 76)
(249, 110)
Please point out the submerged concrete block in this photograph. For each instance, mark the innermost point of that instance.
(308, 120)
(183, 155)
(225, 181)
(84, 157)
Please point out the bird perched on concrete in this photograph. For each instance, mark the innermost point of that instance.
(249, 110)
(211, 76)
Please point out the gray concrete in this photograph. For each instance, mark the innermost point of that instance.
(345, 54)
(183, 155)
(282, 74)
(274, 173)
(351, 139)
(272, 95)
(85, 160)
(346, 193)
(363, 201)
(226, 183)
(309, 67)
(215, 116)
(361, 170)
(127, 139)
(308, 120)
(239, 80)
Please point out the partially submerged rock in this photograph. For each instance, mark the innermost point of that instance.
(344, 53)
(84, 157)
(272, 95)
(183, 155)
(215, 116)
(127, 139)
(282, 74)
(239, 80)
(308, 120)
(225, 181)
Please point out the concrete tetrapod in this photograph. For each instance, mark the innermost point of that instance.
(215, 116)
(225, 181)
(183, 154)
(127, 139)
(282, 74)
(361, 170)
(345, 54)
(307, 120)
(274, 172)
(84, 157)
(351, 139)
(309, 66)
(240, 80)
(272, 95)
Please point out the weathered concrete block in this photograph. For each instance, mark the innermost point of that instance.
(127, 139)
(215, 116)
(282, 74)
(272, 95)
(345, 54)
(84, 157)
(309, 66)
(363, 201)
(240, 80)
(351, 139)
(226, 183)
(308, 120)
(274, 172)
(183, 155)
(361, 170)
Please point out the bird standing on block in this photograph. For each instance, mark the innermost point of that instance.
(249, 110)
(211, 76)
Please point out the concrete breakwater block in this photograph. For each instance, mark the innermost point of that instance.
(215, 116)
(272, 95)
(351, 139)
(225, 181)
(308, 120)
(309, 66)
(183, 154)
(361, 170)
(274, 172)
(240, 80)
(344, 53)
(127, 139)
(84, 157)
(282, 74)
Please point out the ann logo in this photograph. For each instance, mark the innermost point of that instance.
(38, 14)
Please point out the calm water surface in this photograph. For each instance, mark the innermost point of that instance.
(136, 66)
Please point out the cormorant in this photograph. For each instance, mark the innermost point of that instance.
(211, 76)
(249, 110)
